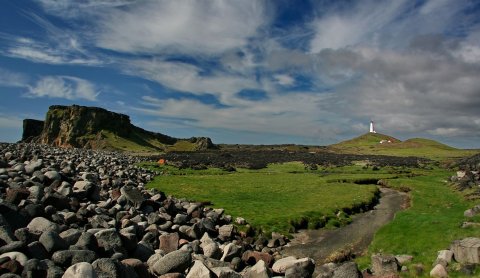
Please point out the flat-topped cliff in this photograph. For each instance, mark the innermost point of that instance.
(97, 128)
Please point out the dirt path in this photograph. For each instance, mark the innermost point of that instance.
(355, 237)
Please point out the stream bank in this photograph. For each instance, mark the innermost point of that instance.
(331, 245)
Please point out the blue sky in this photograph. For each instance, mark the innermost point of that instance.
(261, 72)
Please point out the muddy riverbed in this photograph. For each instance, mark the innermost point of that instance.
(324, 245)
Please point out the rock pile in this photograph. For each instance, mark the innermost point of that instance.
(81, 213)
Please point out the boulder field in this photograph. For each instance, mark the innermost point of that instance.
(84, 213)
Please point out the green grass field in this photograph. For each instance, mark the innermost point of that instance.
(277, 197)
(431, 224)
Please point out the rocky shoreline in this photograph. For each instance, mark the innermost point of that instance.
(84, 213)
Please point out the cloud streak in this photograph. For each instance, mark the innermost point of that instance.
(67, 87)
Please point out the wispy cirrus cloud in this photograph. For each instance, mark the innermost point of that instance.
(13, 79)
(67, 87)
(55, 46)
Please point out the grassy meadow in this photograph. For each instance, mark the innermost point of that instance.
(283, 196)
(279, 197)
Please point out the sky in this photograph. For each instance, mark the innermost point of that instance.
(251, 71)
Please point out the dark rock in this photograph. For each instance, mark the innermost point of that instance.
(14, 196)
(12, 246)
(139, 267)
(11, 266)
(52, 241)
(6, 234)
(109, 241)
(36, 250)
(143, 251)
(23, 234)
(106, 268)
(87, 241)
(33, 210)
(35, 268)
(56, 200)
(31, 129)
(69, 257)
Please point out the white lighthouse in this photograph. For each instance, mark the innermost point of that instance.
(372, 127)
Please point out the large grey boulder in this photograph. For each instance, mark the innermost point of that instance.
(466, 250)
(176, 261)
(39, 225)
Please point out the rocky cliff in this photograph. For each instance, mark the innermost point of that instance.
(31, 129)
(98, 128)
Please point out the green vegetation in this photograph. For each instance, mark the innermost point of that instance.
(279, 197)
(431, 224)
(139, 142)
(370, 144)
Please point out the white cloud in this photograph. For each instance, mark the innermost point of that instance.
(181, 26)
(67, 87)
(12, 79)
(361, 23)
(303, 116)
(284, 79)
(54, 46)
(189, 78)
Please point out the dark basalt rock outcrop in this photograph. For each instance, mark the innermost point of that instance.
(31, 129)
(95, 128)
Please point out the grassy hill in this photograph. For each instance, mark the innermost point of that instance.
(370, 143)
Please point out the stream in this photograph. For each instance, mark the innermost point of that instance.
(354, 238)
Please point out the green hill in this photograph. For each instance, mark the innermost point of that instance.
(376, 143)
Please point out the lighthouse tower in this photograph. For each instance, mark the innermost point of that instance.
(372, 127)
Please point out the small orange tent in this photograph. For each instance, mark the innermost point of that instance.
(161, 161)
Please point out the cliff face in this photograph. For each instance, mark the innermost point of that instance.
(74, 126)
(97, 128)
(31, 129)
